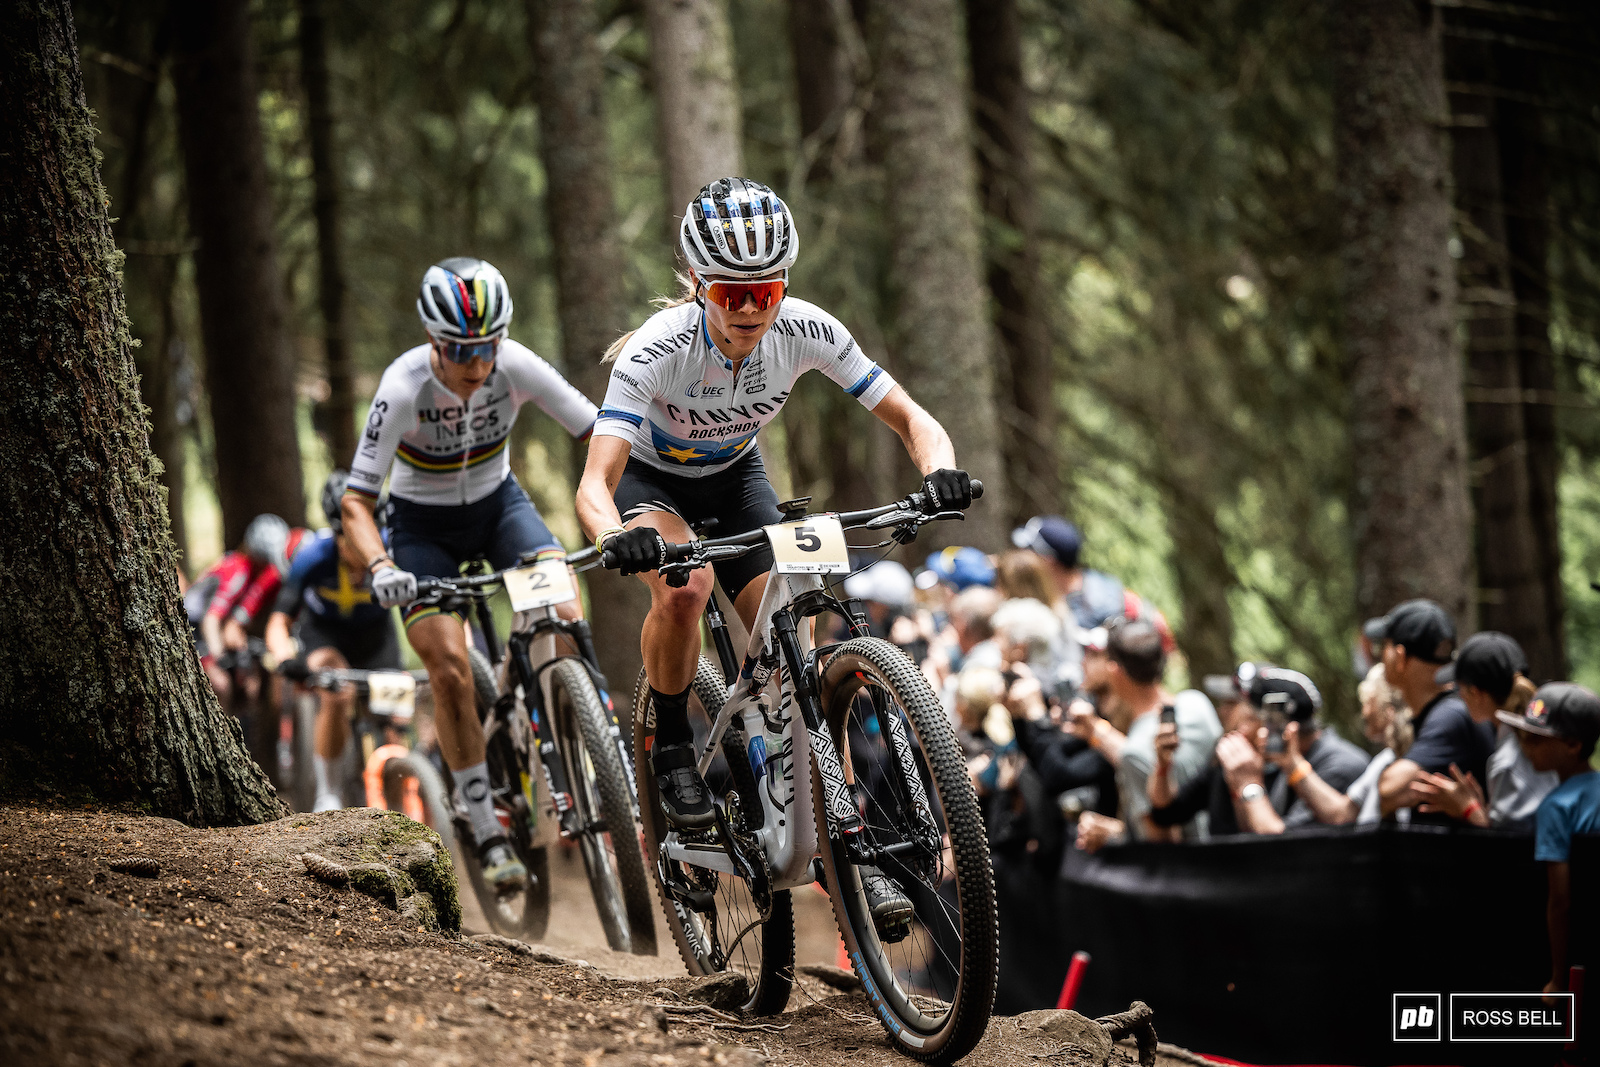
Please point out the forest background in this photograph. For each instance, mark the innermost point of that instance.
(1124, 248)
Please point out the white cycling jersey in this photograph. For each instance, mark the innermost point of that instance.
(676, 398)
(450, 452)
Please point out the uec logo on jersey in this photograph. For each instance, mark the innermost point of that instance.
(704, 388)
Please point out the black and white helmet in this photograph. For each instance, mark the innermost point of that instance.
(464, 300)
(737, 228)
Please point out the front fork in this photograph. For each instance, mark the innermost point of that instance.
(844, 822)
(543, 738)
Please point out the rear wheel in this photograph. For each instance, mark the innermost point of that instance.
(599, 784)
(932, 981)
(729, 934)
(524, 915)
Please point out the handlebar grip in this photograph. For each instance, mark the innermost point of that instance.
(977, 488)
(608, 560)
(677, 554)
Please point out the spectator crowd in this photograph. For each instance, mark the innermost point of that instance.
(1053, 675)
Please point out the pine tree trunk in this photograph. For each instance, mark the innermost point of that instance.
(824, 83)
(101, 695)
(941, 343)
(339, 411)
(697, 97)
(579, 205)
(1006, 186)
(249, 369)
(1524, 162)
(1510, 595)
(1410, 512)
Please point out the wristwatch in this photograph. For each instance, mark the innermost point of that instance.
(1253, 791)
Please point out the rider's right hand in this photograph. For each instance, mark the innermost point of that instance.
(393, 587)
(295, 669)
(636, 551)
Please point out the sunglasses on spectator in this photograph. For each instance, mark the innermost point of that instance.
(732, 294)
(466, 353)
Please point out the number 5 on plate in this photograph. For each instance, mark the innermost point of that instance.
(813, 545)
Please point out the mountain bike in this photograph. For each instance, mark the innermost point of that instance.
(551, 671)
(871, 754)
(393, 775)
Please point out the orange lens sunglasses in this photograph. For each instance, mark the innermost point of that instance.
(731, 294)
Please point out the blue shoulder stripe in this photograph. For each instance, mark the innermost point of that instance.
(617, 413)
(866, 381)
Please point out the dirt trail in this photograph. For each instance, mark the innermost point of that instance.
(234, 954)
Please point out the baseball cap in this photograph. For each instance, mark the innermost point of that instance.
(1489, 660)
(1560, 709)
(886, 581)
(1304, 698)
(1422, 628)
(962, 567)
(1052, 537)
(1226, 688)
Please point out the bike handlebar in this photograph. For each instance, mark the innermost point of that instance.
(707, 551)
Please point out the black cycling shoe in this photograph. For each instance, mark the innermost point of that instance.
(890, 908)
(684, 796)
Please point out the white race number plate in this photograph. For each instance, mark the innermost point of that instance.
(540, 585)
(391, 693)
(810, 546)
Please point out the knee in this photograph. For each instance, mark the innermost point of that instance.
(681, 608)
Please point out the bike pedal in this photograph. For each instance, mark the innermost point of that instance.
(894, 934)
(697, 900)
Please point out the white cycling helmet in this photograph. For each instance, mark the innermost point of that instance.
(266, 540)
(737, 228)
(464, 300)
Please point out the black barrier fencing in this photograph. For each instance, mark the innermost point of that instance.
(1291, 949)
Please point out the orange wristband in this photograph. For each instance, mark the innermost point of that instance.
(1299, 774)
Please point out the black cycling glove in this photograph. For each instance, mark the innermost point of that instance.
(295, 669)
(947, 490)
(636, 551)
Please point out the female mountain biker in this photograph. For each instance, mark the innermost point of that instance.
(675, 442)
(444, 410)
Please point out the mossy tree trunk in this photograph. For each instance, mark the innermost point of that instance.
(249, 369)
(941, 341)
(580, 207)
(100, 692)
(1410, 513)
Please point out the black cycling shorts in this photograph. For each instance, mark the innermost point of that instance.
(740, 498)
(367, 648)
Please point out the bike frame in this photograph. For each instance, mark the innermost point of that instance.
(791, 743)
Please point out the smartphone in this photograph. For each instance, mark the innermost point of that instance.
(1169, 714)
(1274, 709)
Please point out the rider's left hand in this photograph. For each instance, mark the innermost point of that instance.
(947, 490)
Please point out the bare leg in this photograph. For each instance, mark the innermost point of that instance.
(333, 711)
(670, 640)
(441, 643)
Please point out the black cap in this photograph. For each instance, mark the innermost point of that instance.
(1052, 537)
(1489, 660)
(1422, 628)
(1304, 698)
(1561, 709)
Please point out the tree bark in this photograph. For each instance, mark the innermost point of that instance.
(249, 369)
(824, 81)
(941, 341)
(1410, 513)
(101, 694)
(1001, 106)
(697, 97)
(145, 229)
(579, 205)
(339, 410)
(1524, 176)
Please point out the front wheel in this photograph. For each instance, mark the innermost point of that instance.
(727, 933)
(932, 978)
(609, 837)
